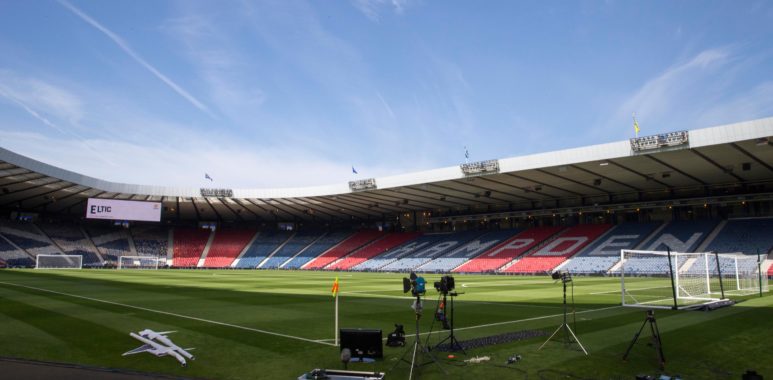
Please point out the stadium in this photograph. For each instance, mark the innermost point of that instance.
(676, 222)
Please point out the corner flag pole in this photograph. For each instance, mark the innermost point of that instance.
(336, 325)
(335, 294)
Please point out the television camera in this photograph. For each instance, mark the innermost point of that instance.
(445, 285)
(415, 284)
(562, 275)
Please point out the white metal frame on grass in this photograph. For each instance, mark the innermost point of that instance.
(690, 279)
(60, 261)
(139, 262)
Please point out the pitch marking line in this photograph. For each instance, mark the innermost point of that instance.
(627, 289)
(367, 293)
(174, 315)
(505, 322)
(522, 320)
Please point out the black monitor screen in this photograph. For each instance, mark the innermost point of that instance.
(365, 343)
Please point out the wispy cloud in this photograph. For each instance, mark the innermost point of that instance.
(676, 97)
(657, 95)
(223, 159)
(753, 104)
(372, 8)
(387, 107)
(221, 65)
(52, 106)
(123, 45)
(34, 93)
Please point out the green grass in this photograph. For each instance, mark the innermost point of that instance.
(41, 318)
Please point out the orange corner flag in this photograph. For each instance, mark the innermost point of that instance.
(335, 287)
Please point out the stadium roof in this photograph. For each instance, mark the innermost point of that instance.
(735, 158)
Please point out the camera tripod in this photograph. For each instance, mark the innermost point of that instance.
(455, 345)
(655, 338)
(565, 326)
(418, 348)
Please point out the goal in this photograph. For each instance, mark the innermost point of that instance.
(677, 280)
(43, 261)
(139, 262)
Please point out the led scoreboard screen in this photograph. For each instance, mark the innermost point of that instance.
(113, 209)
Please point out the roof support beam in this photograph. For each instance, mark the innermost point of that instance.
(646, 177)
(753, 157)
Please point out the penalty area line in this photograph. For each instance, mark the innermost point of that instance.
(174, 314)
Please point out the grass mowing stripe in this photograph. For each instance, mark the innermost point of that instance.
(172, 314)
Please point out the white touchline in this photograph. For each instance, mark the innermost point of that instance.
(173, 314)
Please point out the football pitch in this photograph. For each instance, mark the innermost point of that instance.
(280, 324)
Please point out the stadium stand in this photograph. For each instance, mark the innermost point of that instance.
(564, 246)
(389, 256)
(112, 243)
(71, 239)
(458, 256)
(644, 265)
(728, 265)
(295, 244)
(264, 245)
(749, 236)
(150, 240)
(188, 246)
(446, 243)
(604, 253)
(681, 236)
(315, 249)
(508, 250)
(226, 247)
(29, 238)
(354, 242)
(14, 257)
(375, 248)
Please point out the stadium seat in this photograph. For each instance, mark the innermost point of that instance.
(150, 240)
(604, 253)
(749, 236)
(446, 262)
(289, 249)
(71, 239)
(14, 257)
(264, 245)
(354, 242)
(558, 250)
(375, 248)
(226, 247)
(681, 236)
(112, 243)
(188, 246)
(508, 250)
(419, 257)
(321, 245)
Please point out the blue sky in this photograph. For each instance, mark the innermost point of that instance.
(293, 93)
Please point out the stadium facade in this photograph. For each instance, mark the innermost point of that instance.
(526, 214)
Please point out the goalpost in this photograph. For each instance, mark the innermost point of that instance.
(678, 280)
(139, 262)
(45, 261)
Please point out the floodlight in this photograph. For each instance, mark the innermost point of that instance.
(406, 285)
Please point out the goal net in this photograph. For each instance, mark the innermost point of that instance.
(139, 262)
(43, 261)
(675, 280)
